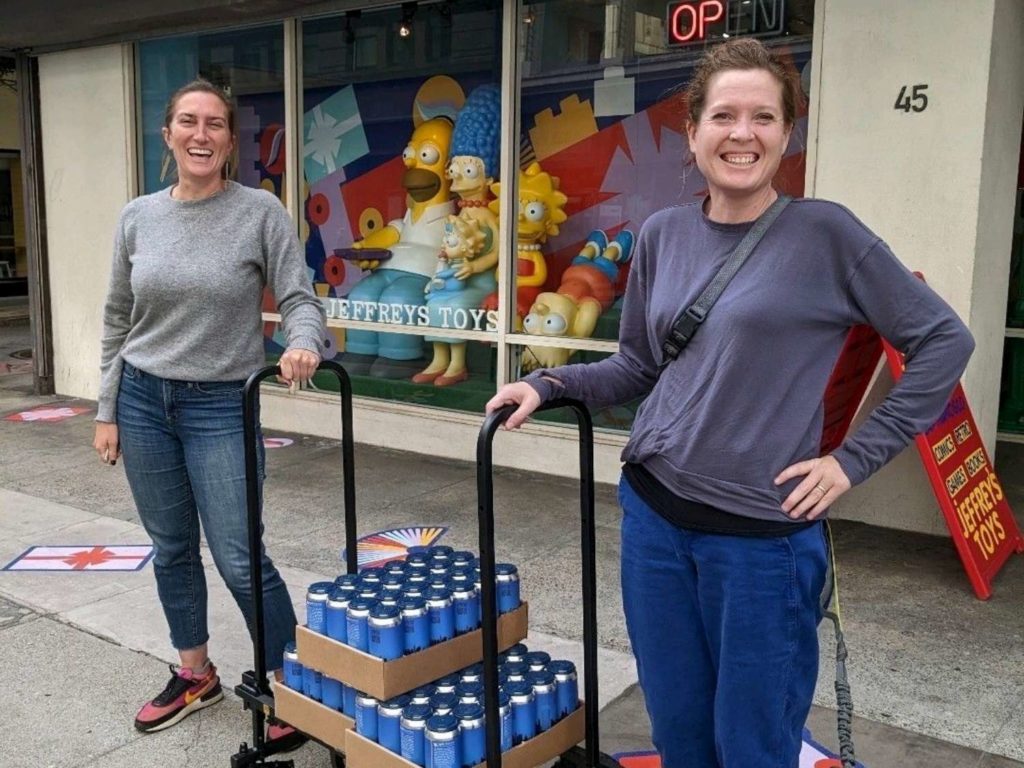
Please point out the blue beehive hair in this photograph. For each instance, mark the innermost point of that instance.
(478, 128)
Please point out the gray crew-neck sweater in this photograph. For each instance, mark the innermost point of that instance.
(744, 399)
(186, 288)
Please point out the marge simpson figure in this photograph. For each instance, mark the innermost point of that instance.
(414, 242)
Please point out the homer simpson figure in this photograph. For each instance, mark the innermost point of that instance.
(414, 242)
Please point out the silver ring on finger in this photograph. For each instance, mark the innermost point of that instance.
(822, 489)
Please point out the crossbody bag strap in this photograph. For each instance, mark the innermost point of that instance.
(688, 322)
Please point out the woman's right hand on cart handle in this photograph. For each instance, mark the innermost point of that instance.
(518, 393)
(105, 442)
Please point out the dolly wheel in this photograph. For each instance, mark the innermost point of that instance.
(577, 758)
(337, 760)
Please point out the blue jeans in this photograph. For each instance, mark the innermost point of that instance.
(182, 445)
(724, 629)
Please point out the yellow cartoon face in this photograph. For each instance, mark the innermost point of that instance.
(425, 158)
(466, 174)
(551, 315)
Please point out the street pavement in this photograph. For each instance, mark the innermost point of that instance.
(936, 674)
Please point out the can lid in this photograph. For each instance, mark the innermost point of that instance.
(392, 579)
(442, 724)
(340, 595)
(453, 680)
(505, 569)
(463, 556)
(320, 587)
(417, 558)
(381, 611)
(401, 701)
(346, 579)
(371, 574)
(412, 602)
(417, 712)
(366, 699)
(464, 587)
(440, 550)
(438, 580)
(438, 593)
(424, 690)
(471, 688)
(474, 669)
(447, 700)
(468, 711)
(362, 604)
(516, 668)
(519, 688)
(538, 657)
(561, 667)
(396, 566)
(540, 677)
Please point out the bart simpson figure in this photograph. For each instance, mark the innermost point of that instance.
(540, 213)
(414, 242)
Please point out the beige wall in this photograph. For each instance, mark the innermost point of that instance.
(937, 185)
(87, 164)
(10, 136)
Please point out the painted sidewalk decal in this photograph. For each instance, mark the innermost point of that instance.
(813, 755)
(83, 557)
(47, 413)
(383, 547)
(277, 442)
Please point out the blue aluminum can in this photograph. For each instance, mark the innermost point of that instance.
(415, 624)
(332, 693)
(312, 683)
(386, 639)
(347, 582)
(466, 604)
(443, 746)
(411, 729)
(316, 605)
(371, 576)
(439, 569)
(438, 581)
(392, 582)
(524, 711)
(417, 561)
(543, 683)
(447, 683)
(418, 577)
(470, 693)
(389, 715)
(463, 574)
(567, 690)
(516, 671)
(505, 716)
(442, 615)
(292, 668)
(396, 568)
(474, 673)
(537, 660)
(506, 577)
(390, 599)
(502, 677)
(337, 615)
(471, 733)
(517, 653)
(440, 552)
(357, 630)
(463, 557)
(348, 701)
(366, 716)
(443, 703)
(422, 694)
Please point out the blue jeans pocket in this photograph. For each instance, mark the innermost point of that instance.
(220, 388)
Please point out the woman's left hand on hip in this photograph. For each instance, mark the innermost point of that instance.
(298, 367)
(824, 482)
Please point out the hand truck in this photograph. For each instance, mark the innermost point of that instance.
(590, 756)
(254, 690)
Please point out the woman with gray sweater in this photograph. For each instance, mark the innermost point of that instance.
(723, 487)
(182, 331)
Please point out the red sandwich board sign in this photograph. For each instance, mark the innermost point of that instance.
(968, 491)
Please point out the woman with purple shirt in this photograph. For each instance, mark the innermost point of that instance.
(724, 488)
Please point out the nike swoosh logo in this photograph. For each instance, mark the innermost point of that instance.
(190, 696)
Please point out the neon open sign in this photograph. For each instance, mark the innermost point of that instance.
(698, 21)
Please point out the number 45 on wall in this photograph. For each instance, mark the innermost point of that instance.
(917, 100)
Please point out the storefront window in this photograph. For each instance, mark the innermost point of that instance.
(400, 144)
(603, 148)
(249, 65)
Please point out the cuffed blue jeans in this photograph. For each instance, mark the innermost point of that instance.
(724, 630)
(182, 446)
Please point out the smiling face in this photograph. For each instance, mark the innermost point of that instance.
(740, 137)
(199, 136)
(425, 158)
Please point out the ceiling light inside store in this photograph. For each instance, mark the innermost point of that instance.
(408, 11)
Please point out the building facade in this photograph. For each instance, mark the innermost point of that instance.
(913, 120)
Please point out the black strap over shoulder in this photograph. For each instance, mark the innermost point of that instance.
(689, 321)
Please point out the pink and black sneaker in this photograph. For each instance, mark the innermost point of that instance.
(185, 693)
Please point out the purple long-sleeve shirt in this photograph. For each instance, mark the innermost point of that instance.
(744, 399)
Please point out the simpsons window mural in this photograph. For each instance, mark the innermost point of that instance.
(400, 160)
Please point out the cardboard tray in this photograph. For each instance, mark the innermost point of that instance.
(384, 679)
(360, 752)
(311, 717)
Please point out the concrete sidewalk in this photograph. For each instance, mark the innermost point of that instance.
(936, 673)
